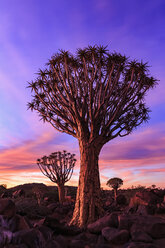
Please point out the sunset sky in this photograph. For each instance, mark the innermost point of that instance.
(30, 32)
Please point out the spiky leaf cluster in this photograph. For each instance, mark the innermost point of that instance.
(92, 94)
(58, 166)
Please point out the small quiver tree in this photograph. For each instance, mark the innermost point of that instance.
(115, 183)
(58, 167)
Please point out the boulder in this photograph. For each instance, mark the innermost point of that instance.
(141, 245)
(121, 200)
(52, 206)
(86, 236)
(160, 242)
(46, 232)
(5, 237)
(126, 221)
(6, 194)
(160, 208)
(108, 220)
(18, 223)
(53, 244)
(157, 230)
(100, 241)
(16, 246)
(144, 198)
(142, 210)
(78, 244)
(7, 208)
(62, 241)
(32, 238)
(58, 227)
(115, 236)
(139, 236)
(108, 202)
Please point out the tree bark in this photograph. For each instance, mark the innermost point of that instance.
(88, 205)
(115, 193)
(61, 193)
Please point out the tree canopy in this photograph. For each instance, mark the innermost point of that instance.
(58, 166)
(93, 93)
(115, 182)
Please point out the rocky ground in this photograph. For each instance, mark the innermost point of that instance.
(31, 217)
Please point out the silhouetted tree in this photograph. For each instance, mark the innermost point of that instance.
(115, 183)
(153, 186)
(95, 96)
(58, 167)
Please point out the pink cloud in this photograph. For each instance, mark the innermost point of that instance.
(138, 159)
(18, 163)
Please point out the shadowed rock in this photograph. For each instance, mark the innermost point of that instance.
(115, 236)
(108, 220)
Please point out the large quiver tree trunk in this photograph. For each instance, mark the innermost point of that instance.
(88, 205)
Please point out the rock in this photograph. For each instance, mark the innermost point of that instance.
(144, 198)
(153, 226)
(57, 216)
(160, 242)
(5, 237)
(62, 241)
(6, 194)
(18, 223)
(108, 220)
(126, 221)
(46, 232)
(160, 208)
(63, 209)
(142, 210)
(52, 206)
(18, 193)
(53, 244)
(100, 241)
(7, 208)
(16, 246)
(115, 236)
(92, 238)
(77, 243)
(32, 238)
(139, 236)
(157, 230)
(46, 199)
(121, 200)
(102, 246)
(59, 228)
(141, 245)
(108, 202)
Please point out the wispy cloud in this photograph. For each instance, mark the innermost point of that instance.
(142, 155)
(122, 158)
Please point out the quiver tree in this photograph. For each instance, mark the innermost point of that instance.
(58, 167)
(115, 183)
(95, 96)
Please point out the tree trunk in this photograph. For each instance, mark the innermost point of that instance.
(61, 193)
(88, 205)
(115, 193)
